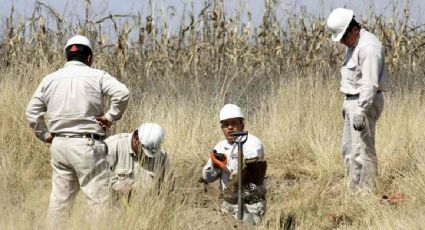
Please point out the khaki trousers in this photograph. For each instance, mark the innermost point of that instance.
(77, 163)
(358, 147)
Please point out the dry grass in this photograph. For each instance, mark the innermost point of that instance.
(286, 80)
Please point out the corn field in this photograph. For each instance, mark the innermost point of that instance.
(284, 75)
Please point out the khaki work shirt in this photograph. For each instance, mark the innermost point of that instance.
(70, 99)
(252, 148)
(128, 168)
(364, 71)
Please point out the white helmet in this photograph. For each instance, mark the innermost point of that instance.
(78, 40)
(338, 22)
(150, 137)
(230, 111)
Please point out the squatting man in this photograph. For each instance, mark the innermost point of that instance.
(137, 161)
(223, 165)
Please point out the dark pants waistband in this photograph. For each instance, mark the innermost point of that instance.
(351, 96)
(75, 135)
(356, 96)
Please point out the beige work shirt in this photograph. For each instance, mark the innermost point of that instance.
(70, 99)
(128, 168)
(364, 71)
(252, 148)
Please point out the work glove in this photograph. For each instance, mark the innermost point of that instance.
(219, 160)
(358, 122)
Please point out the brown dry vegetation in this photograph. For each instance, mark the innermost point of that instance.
(285, 78)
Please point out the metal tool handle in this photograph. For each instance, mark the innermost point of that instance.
(239, 133)
(240, 167)
(241, 138)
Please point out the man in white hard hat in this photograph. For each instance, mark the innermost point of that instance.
(363, 81)
(223, 165)
(137, 161)
(67, 110)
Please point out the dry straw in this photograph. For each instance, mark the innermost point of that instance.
(284, 74)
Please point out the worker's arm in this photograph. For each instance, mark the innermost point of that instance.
(119, 95)
(254, 149)
(35, 111)
(371, 62)
(210, 173)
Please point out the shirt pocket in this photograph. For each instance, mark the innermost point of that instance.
(351, 71)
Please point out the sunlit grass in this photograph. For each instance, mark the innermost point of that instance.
(285, 79)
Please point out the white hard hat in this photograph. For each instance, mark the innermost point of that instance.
(230, 111)
(150, 137)
(338, 22)
(79, 40)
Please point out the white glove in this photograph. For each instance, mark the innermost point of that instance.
(358, 122)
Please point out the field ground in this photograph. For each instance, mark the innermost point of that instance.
(285, 79)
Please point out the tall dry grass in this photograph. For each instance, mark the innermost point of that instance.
(285, 78)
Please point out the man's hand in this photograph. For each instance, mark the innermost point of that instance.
(218, 160)
(358, 122)
(49, 138)
(103, 121)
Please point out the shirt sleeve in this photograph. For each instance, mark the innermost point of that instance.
(253, 150)
(210, 173)
(371, 65)
(35, 111)
(119, 95)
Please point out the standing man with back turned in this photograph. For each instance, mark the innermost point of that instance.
(71, 101)
(363, 81)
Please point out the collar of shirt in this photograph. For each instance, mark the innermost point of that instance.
(130, 149)
(74, 63)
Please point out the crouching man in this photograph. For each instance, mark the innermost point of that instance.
(137, 161)
(223, 165)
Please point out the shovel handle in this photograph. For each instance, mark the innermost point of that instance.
(240, 133)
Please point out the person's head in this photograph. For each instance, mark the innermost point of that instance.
(231, 120)
(78, 48)
(147, 139)
(344, 27)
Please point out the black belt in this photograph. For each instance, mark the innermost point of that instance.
(351, 96)
(86, 135)
(356, 96)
